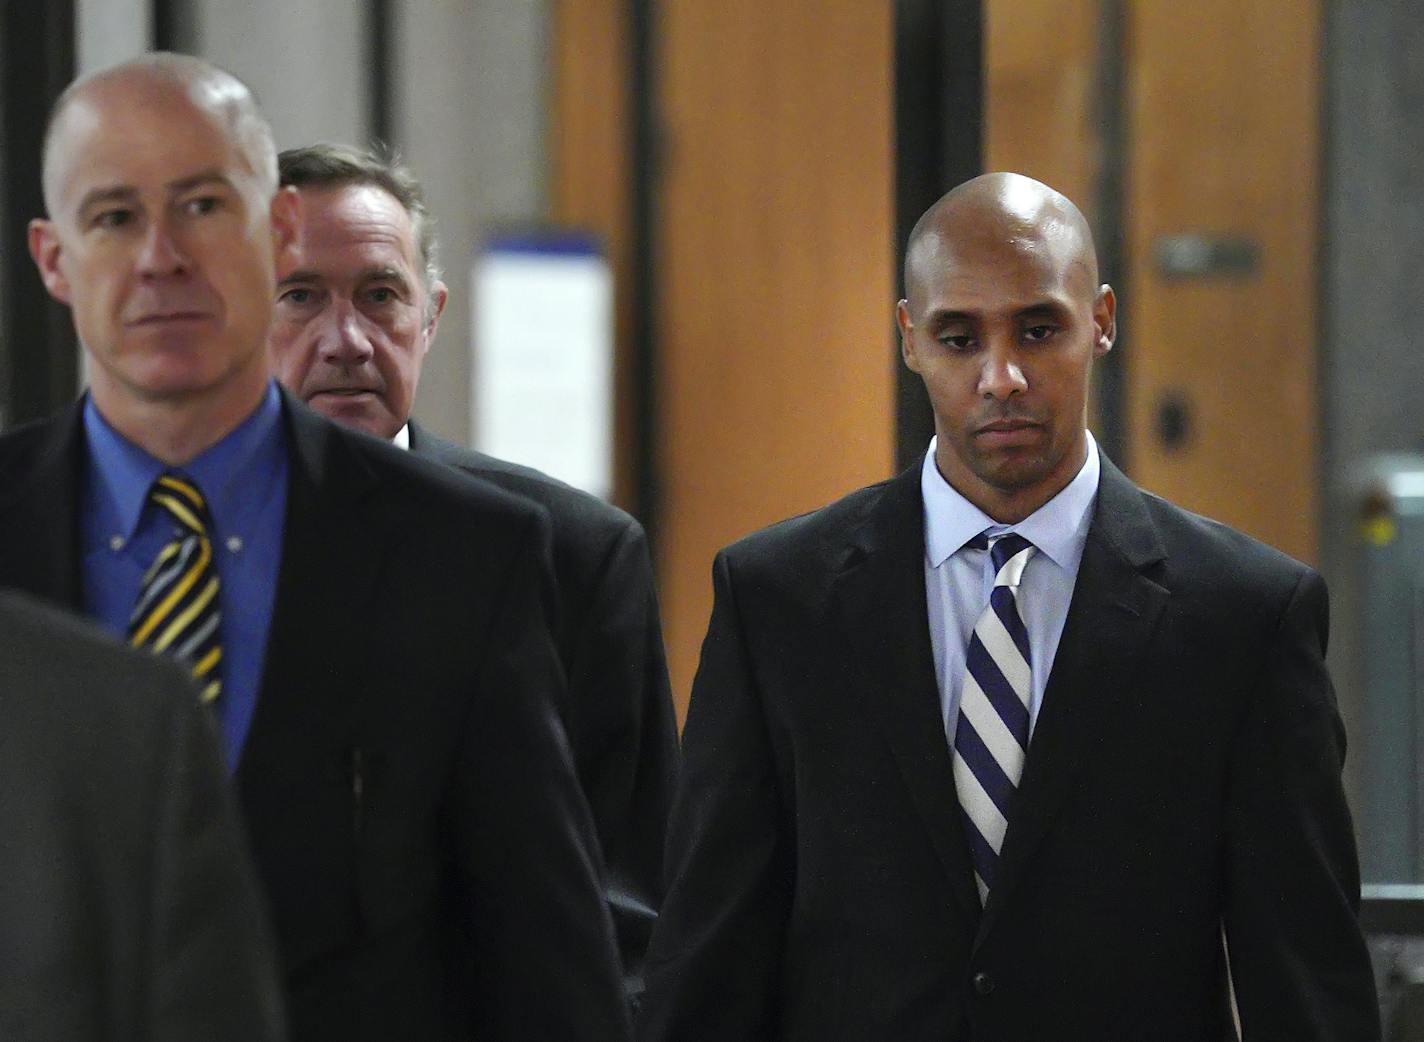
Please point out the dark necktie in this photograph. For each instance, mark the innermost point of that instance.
(177, 611)
(991, 737)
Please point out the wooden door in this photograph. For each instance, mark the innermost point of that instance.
(1219, 218)
(775, 238)
(1225, 147)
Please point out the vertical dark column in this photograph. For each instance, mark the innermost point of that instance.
(644, 178)
(939, 117)
(174, 26)
(380, 62)
(1110, 102)
(38, 363)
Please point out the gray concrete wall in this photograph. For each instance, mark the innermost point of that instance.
(305, 60)
(1372, 290)
(107, 32)
(470, 117)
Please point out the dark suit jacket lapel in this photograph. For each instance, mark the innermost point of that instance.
(880, 596)
(422, 443)
(333, 543)
(335, 540)
(1114, 610)
(39, 516)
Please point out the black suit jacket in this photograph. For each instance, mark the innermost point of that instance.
(619, 714)
(129, 910)
(416, 822)
(1183, 775)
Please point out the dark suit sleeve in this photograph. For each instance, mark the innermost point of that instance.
(212, 963)
(1298, 960)
(545, 961)
(714, 964)
(627, 738)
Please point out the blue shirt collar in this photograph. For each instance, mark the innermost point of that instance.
(1055, 528)
(123, 472)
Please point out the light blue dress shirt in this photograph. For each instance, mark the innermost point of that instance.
(244, 479)
(958, 580)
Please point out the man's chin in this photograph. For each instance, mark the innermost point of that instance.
(364, 411)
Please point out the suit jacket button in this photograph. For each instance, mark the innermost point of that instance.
(983, 984)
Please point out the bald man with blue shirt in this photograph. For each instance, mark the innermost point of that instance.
(370, 631)
(244, 476)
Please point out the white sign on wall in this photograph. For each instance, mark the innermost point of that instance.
(542, 372)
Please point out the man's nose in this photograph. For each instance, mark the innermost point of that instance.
(343, 341)
(161, 254)
(1002, 374)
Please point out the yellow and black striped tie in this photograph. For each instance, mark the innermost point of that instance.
(177, 610)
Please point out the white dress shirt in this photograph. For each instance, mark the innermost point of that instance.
(958, 580)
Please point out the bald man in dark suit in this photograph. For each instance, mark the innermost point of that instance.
(1005, 749)
(371, 630)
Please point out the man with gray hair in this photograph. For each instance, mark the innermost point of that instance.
(369, 630)
(357, 310)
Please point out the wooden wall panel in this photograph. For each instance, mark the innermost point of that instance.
(1224, 140)
(1041, 116)
(775, 359)
(1040, 70)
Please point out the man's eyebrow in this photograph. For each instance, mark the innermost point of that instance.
(944, 316)
(111, 194)
(183, 184)
(384, 273)
(300, 275)
(1043, 307)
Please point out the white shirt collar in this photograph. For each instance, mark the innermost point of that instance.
(401, 438)
(951, 520)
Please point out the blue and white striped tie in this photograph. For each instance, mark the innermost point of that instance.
(991, 737)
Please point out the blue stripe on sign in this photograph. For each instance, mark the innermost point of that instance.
(544, 242)
(982, 764)
(983, 856)
(1006, 608)
(987, 674)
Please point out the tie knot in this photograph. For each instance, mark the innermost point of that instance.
(1010, 554)
(179, 496)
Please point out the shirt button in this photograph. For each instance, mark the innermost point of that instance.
(234, 543)
(116, 543)
(983, 984)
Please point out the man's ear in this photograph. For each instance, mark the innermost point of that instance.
(1104, 320)
(45, 249)
(286, 226)
(907, 341)
(435, 306)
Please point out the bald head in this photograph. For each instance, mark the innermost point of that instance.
(160, 75)
(1000, 209)
(1002, 319)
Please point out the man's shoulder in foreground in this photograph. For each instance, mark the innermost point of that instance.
(1223, 561)
(25, 447)
(132, 910)
(93, 676)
